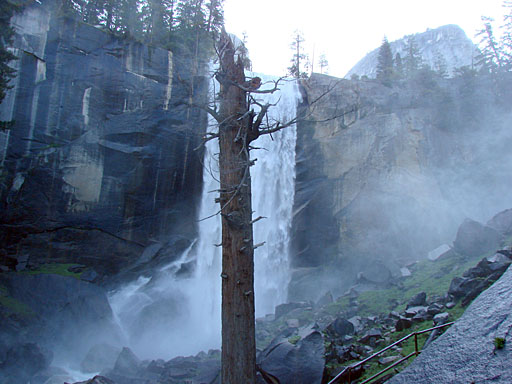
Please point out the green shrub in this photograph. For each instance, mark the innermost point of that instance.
(499, 342)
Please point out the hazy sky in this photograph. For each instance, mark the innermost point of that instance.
(345, 30)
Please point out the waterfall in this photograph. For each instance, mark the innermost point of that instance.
(273, 189)
(165, 316)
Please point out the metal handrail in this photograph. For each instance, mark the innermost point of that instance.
(415, 353)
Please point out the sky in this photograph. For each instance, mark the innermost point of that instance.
(344, 30)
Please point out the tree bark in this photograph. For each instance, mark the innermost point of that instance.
(238, 323)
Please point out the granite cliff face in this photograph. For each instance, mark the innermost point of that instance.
(447, 44)
(100, 163)
(386, 174)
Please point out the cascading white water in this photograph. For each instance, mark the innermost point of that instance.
(273, 189)
(165, 316)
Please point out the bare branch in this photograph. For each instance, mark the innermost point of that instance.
(250, 90)
(206, 139)
(258, 219)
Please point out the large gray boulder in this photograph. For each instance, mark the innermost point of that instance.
(465, 353)
(299, 363)
(97, 380)
(474, 239)
(22, 361)
(99, 358)
(502, 222)
(68, 316)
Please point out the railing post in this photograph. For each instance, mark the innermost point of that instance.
(416, 343)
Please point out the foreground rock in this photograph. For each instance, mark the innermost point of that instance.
(64, 314)
(97, 380)
(466, 352)
(129, 369)
(295, 358)
(22, 361)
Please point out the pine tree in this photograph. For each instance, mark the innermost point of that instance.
(7, 10)
(385, 63)
(507, 35)
(109, 16)
(399, 66)
(299, 58)
(190, 14)
(324, 64)
(92, 11)
(440, 65)
(214, 16)
(491, 55)
(155, 21)
(129, 19)
(412, 60)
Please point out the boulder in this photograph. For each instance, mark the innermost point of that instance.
(341, 327)
(441, 318)
(496, 262)
(480, 287)
(374, 273)
(418, 300)
(371, 336)
(474, 239)
(97, 380)
(89, 275)
(502, 222)
(403, 323)
(357, 323)
(24, 360)
(193, 370)
(506, 251)
(99, 358)
(434, 309)
(324, 300)
(302, 363)
(413, 311)
(283, 309)
(52, 375)
(394, 315)
(127, 363)
(489, 265)
(438, 252)
(70, 314)
(460, 286)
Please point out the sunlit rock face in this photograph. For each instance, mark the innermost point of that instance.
(387, 174)
(100, 162)
(447, 44)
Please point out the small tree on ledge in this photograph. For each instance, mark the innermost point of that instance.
(299, 59)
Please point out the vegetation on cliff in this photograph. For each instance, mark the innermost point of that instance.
(7, 9)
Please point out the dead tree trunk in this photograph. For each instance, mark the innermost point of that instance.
(238, 323)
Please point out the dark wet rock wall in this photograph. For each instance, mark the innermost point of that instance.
(100, 162)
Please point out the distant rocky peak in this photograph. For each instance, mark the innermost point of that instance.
(448, 44)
